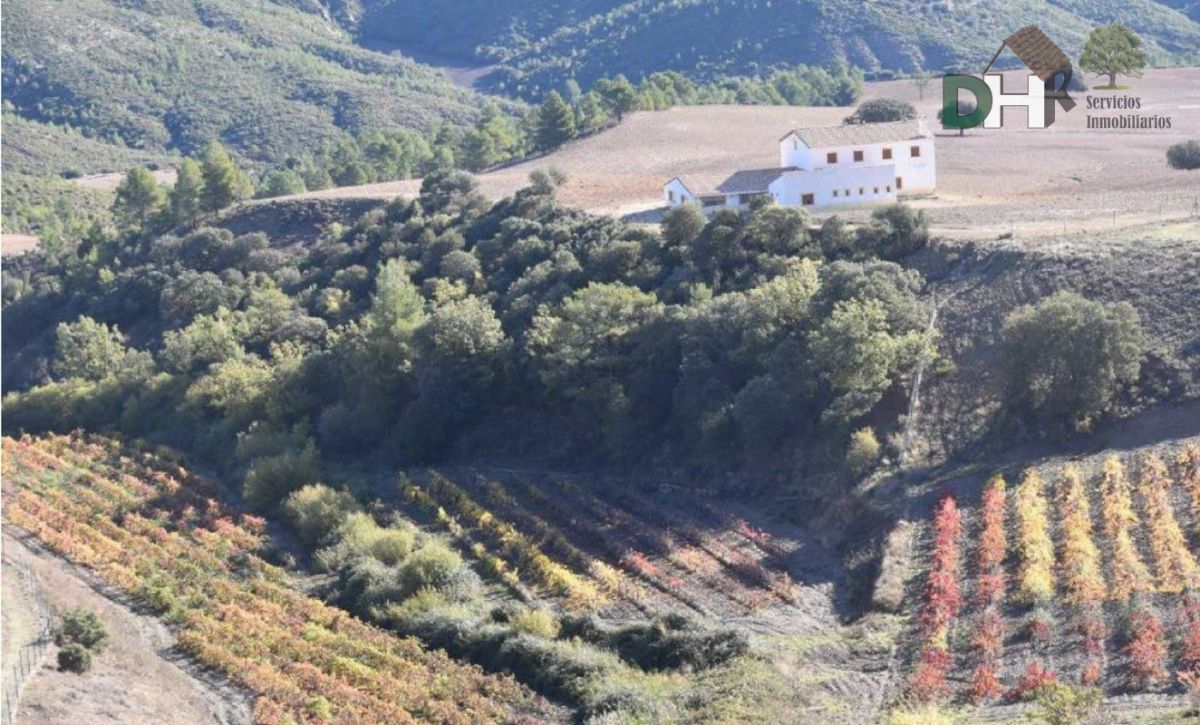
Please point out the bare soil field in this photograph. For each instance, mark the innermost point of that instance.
(108, 182)
(1062, 180)
(137, 679)
(11, 244)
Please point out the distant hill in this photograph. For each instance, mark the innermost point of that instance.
(266, 77)
(537, 44)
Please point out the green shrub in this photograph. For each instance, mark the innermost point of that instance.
(272, 478)
(669, 642)
(316, 510)
(433, 566)
(358, 535)
(538, 622)
(367, 584)
(319, 708)
(1058, 703)
(862, 455)
(74, 657)
(83, 627)
(1184, 155)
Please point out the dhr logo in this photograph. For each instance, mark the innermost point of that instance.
(1047, 85)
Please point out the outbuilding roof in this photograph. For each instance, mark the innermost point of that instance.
(747, 181)
(854, 134)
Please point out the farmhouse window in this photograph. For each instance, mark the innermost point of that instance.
(858, 155)
(861, 191)
(888, 188)
(806, 199)
(831, 157)
(795, 144)
(915, 151)
(835, 192)
(876, 189)
(887, 154)
(671, 196)
(847, 192)
(899, 183)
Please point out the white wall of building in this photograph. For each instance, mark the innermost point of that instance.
(675, 193)
(916, 172)
(853, 184)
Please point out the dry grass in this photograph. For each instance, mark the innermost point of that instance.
(1033, 181)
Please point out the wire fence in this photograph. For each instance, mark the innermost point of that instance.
(29, 657)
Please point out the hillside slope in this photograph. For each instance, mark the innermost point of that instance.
(539, 45)
(265, 78)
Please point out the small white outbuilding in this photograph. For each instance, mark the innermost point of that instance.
(825, 166)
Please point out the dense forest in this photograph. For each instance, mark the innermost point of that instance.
(533, 47)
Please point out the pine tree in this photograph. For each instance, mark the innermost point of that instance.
(138, 199)
(555, 122)
(185, 195)
(224, 183)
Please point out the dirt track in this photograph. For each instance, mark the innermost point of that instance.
(138, 678)
(1065, 179)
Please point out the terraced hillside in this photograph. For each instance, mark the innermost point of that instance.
(159, 534)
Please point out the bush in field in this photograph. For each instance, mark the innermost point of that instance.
(1057, 703)
(1066, 358)
(74, 657)
(1035, 677)
(83, 627)
(928, 681)
(1080, 560)
(1145, 648)
(316, 510)
(433, 566)
(1035, 577)
(271, 478)
(863, 453)
(882, 110)
(1184, 155)
(984, 685)
(538, 622)
(359, 536)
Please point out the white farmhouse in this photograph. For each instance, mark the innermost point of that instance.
(825, 166)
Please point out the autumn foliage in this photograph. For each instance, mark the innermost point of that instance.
(940, 604)
(1145, 648)
(1035, 574)
(993, 544)
(1128, 573)
(159, 534)
(1079, 563)
(1173, 562)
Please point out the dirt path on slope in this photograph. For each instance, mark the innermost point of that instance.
(139, 678)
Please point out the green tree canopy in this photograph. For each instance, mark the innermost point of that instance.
(185, 195)
(224, 183)
(1113, 49)
(555, 122)
(1066, 358)
(138, 199)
